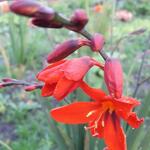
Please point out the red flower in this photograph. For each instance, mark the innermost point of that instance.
(65, 76)
(103, 116)
(66, 48)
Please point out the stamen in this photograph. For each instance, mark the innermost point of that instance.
(88, 128)
(103, 123)
(97, 120)
(90, 113)
(96, 134)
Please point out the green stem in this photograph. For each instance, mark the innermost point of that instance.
(83, 32)
(5, 145)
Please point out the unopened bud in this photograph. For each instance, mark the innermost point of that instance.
(30, 8)
(97, 42)
(45, 23)
(25, 7)
(79, 20)
(7, 80)
(30, 88)
(1, 85)
(113, 76)
(65, 49)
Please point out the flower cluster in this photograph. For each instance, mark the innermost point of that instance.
(61, 77)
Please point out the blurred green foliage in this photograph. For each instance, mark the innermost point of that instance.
(25, 123)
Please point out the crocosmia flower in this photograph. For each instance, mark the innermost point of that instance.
(105, 112)
(66, 48)
(65, 76)
(103, 116)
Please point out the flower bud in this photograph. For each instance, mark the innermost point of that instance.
(63, 50)
(97, 42)
(25, 7)
(31, 8)
(79, 20)
(45, 23)
(8, 79)
(30, 88)
(1, 85)
(113, 76)
(45, 13)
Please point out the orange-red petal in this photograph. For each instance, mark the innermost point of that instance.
(47, 89)
(95, 94)
(125, 103)
(55, 64)
(114, 136)
(132, 119)
(42, 75)
(63, 88)
(75, 113)
(77, 68)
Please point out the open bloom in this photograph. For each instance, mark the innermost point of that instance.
(65, 76)
(103, 116)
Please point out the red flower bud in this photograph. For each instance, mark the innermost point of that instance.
(79, 20)
(97, 42)
(31, 8)
(7, 80)
(113, 76)
(45, 23)
(30, 88)
(63, 50)
(1, 85)
(25, 7)
(45, 13)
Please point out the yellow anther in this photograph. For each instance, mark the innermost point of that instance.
(96, 134)
(103, 123)
(90, 113)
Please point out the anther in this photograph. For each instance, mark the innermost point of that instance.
(90, 113)
(96, 134)
(90, 127)
(103, 123)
